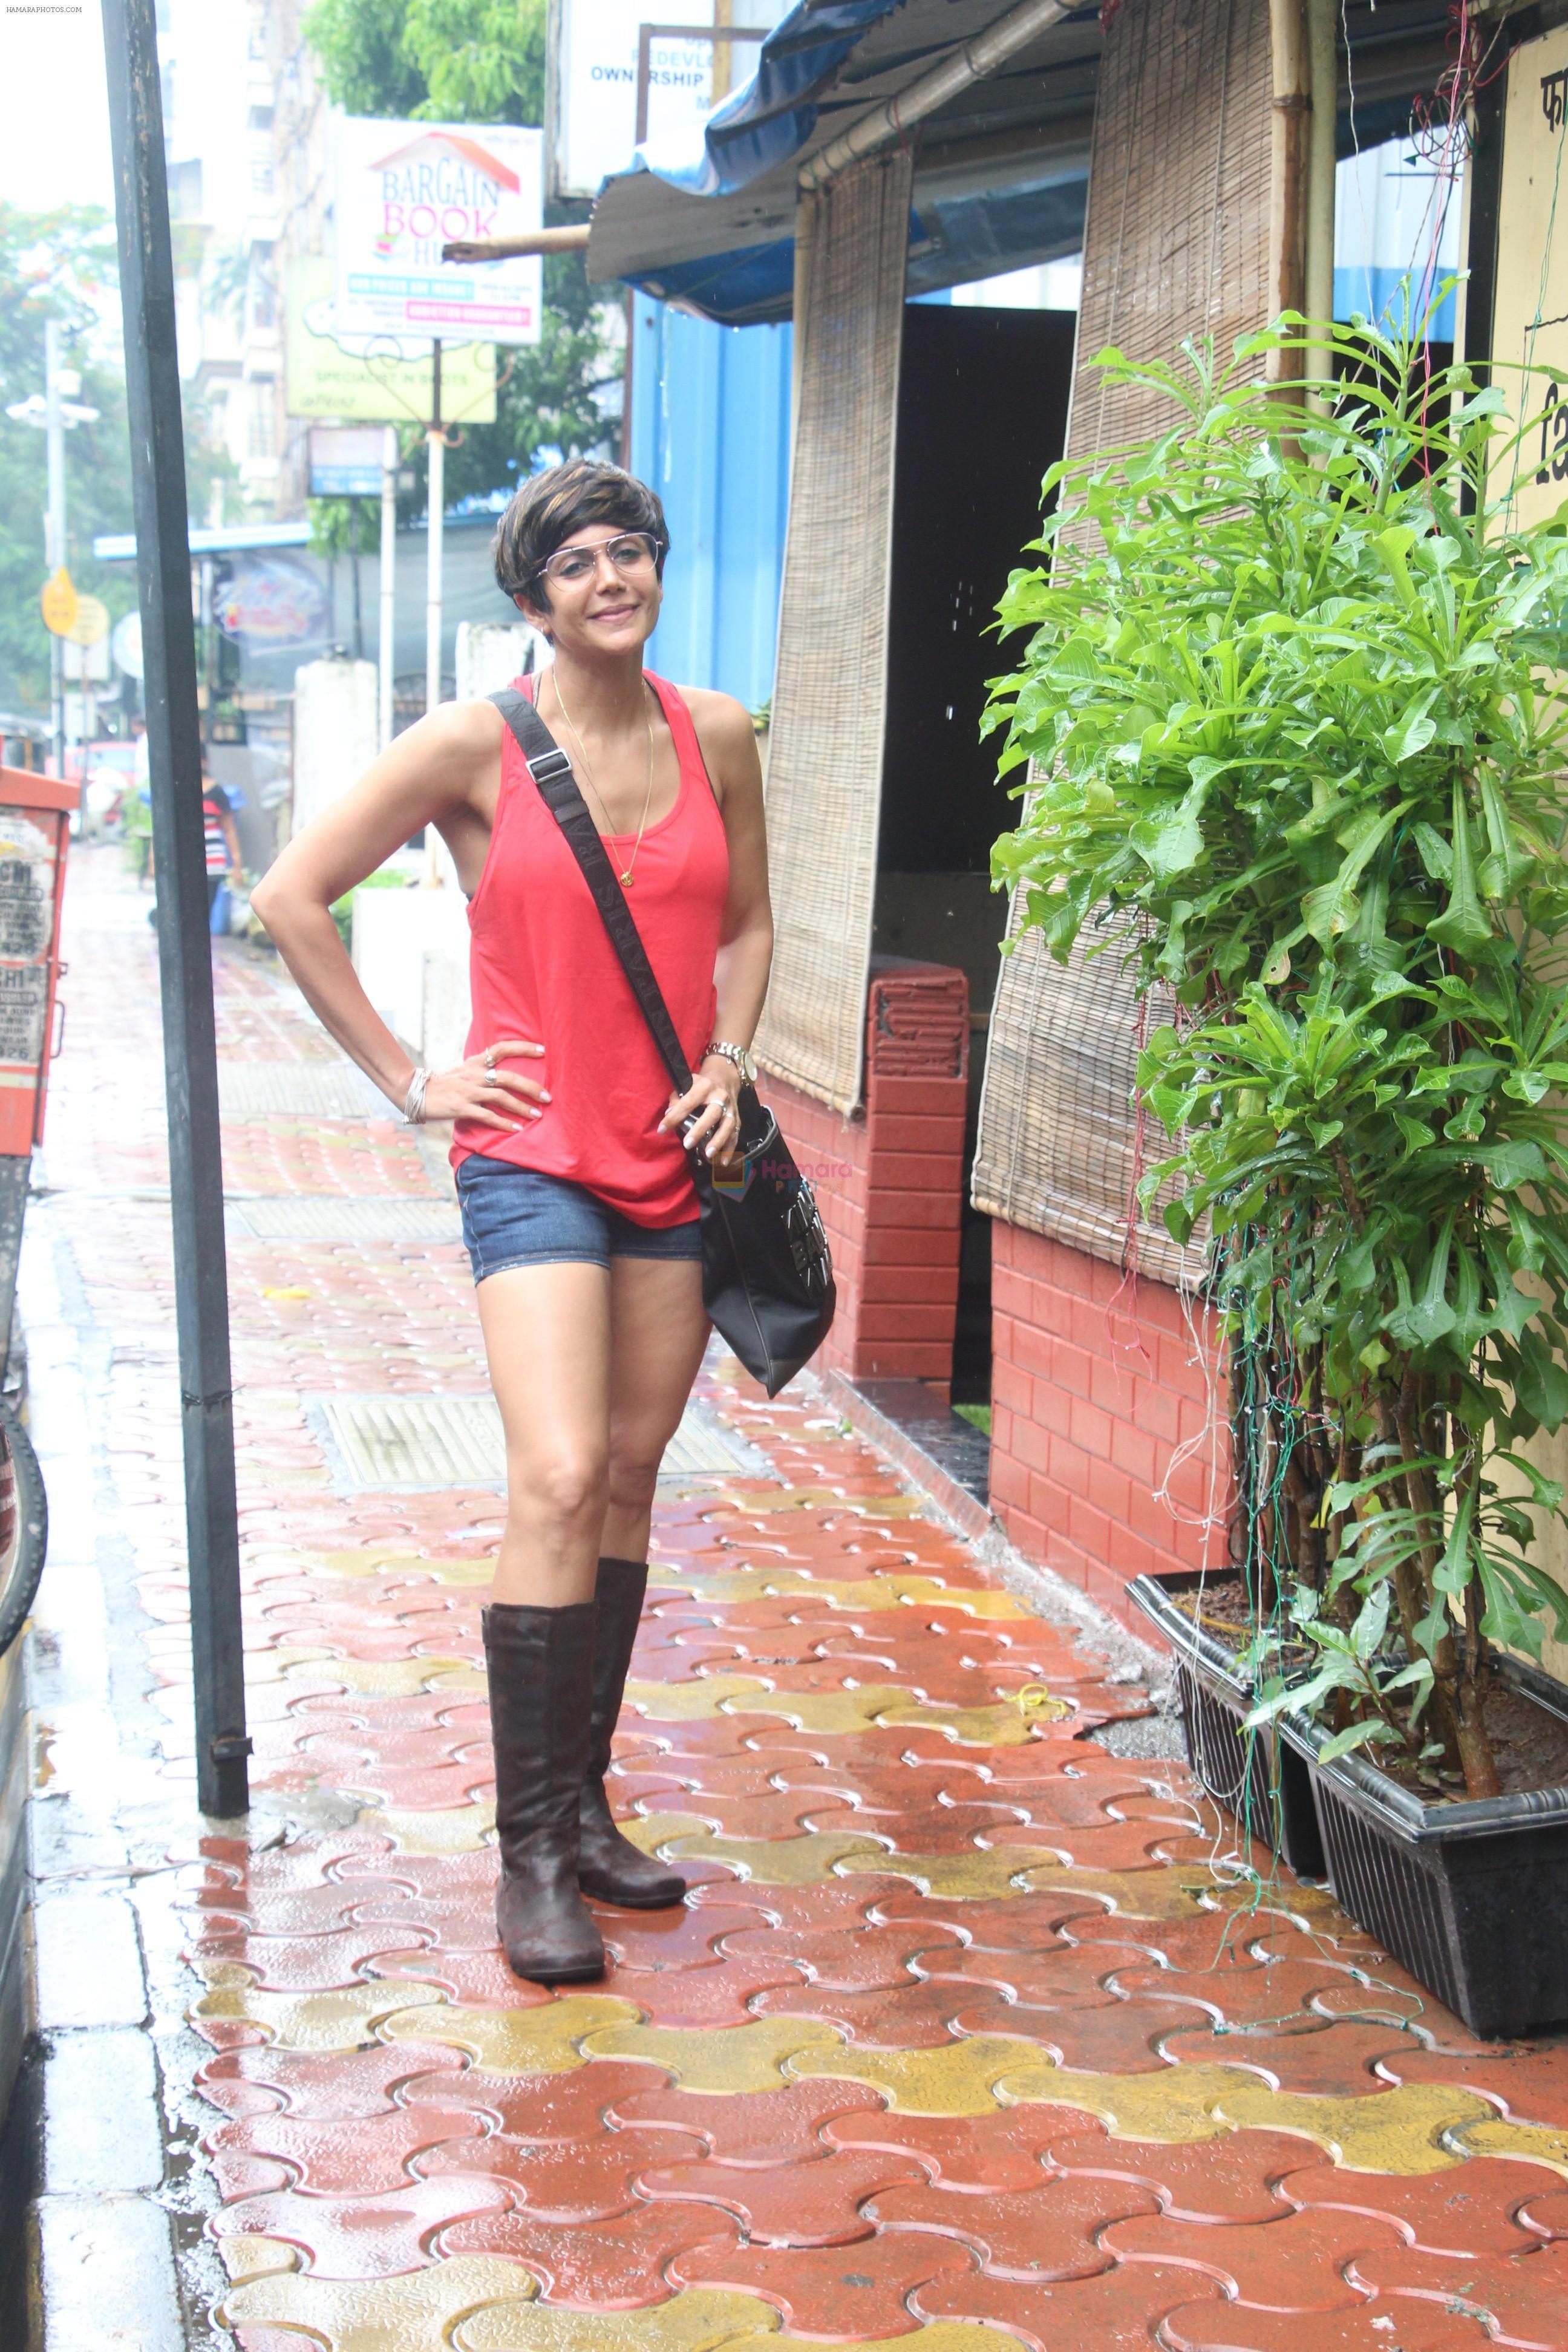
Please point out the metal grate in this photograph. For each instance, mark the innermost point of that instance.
(299, 1089)
(294, 1218)
(372, 1443)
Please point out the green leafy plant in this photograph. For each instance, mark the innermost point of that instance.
(1291, 698)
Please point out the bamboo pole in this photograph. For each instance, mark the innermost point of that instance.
(572, 238)
(1291, 116)
(1323, 77)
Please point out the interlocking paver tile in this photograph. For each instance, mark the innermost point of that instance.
(368, 2156)
(995, 2013)
(812, 2204)
(1545, 2212)
(1238, 1989)
(768, 2127)
(308, 1963)
(262, 2080)
(1120, 2309)
(571, 2181)
(1049, 2230)
(847, 1960)
(365, 2235)
(1477, 2208)
(1369, 2327)
(977, 2155)
(1521, 2300)
(632, 2258)
(851, 2294)
(1297, 2264)
(1530, 2084)
(1341, 2061)
(1233, 2179)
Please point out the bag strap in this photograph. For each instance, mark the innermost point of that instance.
(551, 769)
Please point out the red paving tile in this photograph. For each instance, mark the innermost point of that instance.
(1051, 2230)
(1484, 2207)
(862, 2205)
(845, 2293)
(769, 2129)
(815, 2203)
(1522, 2302)
(1117, 2310)
(1298, 2263)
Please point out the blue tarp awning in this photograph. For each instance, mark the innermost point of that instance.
(707, 218)
(771, 117)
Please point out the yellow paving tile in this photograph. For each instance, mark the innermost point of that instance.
(895, 1589)
(829, 1712)
(457, 1829)
(345, 2019)
(413, 2312)
(544, 2039)
(698, 2320)
(401, 1677)
(728, 2058)
(702, 2319)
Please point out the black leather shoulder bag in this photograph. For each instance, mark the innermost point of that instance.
(767, 1276)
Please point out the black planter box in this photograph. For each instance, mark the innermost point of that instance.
(1471, 1897)
(1255, 1775)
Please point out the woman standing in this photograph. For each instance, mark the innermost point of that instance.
(577, 1200)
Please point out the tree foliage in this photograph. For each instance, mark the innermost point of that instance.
(480, 62)
(1291, 696)
(58, 265)
(63, 264)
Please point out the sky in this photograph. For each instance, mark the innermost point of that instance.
(56, 147)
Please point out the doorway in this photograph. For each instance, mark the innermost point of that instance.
(982, 407)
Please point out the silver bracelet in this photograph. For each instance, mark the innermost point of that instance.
(414, 1106)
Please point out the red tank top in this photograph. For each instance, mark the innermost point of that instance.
(542, 966)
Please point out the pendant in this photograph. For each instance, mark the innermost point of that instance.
(625, 881)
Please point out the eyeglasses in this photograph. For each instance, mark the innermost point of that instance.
(629, 551)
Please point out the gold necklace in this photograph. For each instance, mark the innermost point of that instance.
(626, 878)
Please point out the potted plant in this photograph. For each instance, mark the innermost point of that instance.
(1290, 698)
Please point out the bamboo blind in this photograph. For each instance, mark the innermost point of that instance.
(825, 747)
(1176, 243)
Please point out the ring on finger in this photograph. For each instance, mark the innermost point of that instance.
(491, 1060)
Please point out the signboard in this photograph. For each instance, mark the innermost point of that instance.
(32, 873)
(85, 665)
(403, 189)
(1529, 323)
(126, 645)
(345, 461)
(592, 80)
(58, 604)
(268, 601)
(370, 379)
(91, 621)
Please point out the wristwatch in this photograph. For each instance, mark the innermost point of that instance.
(736, 1053)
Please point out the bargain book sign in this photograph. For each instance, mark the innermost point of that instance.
(404, 190)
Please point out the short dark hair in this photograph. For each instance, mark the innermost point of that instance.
(552, 505)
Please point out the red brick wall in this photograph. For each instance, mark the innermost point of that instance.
(889, 1181)
(1093, 1390)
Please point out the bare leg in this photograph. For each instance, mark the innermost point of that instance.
(547, 1337)
(658, 1332)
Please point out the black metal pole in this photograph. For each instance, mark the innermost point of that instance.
(184, 946)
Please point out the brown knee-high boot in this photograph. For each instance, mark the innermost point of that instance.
(609, 1866)
(540, 1667)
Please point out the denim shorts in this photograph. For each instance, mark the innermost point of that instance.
(519, 1216)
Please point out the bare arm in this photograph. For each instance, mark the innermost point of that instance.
(746, 942)
(448, 764)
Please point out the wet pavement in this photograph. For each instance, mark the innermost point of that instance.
(971, 2030)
